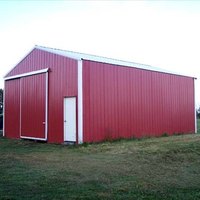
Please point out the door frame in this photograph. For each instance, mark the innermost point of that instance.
(64, 112)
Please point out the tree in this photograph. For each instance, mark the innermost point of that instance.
(1, 101)
(198, 112)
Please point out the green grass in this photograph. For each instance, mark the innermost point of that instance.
(156, 168)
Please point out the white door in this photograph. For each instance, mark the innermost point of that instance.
(70, 119)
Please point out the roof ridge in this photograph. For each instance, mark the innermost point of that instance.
(93, 55)
(83, 56)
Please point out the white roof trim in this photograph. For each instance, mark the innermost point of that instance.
(19, 61)
(27, 74)
(82, 56)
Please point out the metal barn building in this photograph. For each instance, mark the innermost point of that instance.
(61, 96)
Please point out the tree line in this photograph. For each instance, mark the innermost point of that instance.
(1, 101)
(198, 112)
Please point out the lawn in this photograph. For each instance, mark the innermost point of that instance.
(155, 168)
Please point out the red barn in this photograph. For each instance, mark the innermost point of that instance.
(61, 96)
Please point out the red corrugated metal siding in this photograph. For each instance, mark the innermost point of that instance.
(33, 91)
(36, 60)
(12, 108)
(129, 102)
(62, 83)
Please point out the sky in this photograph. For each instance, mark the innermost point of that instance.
(164, 34)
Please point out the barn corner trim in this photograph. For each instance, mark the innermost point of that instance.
(80, 101)
(195, 116)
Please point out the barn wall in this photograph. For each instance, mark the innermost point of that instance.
(12, 108)
(129, 102)
(62, 83)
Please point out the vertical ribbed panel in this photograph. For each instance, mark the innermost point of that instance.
(12, 108)
(33, 91)
(62, 83)
(128, 102)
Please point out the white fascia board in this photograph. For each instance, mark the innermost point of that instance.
(80, 101)
(27, 74)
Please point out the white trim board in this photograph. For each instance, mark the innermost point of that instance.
(27, 74)
(46, 104)
(195, 116)
(33, 138)
(20, 108)
(80, 101)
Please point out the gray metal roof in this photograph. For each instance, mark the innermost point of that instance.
(82, 56)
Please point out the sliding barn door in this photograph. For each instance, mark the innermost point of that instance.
(33, 106)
